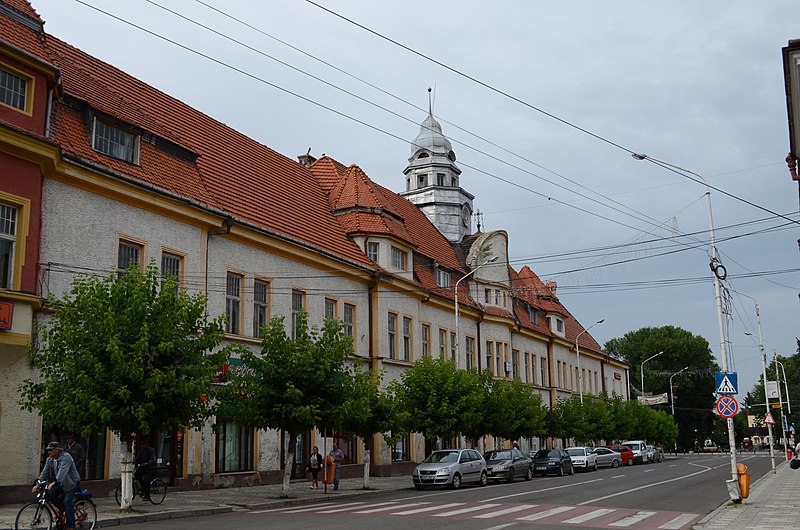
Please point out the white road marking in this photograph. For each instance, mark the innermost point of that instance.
(589, 516)
(543, 490)
(594, 501)
(547, 513)
(394, 507)
(429, 508)
(340, 509)
(506, 511)
(500, 526)
(285, 508)
(649, 470)
(618, 476)
(679, 521)
(467, 510)
(633, 519)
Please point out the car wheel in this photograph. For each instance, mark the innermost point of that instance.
(484, 479)
(630, 461)
(571, 469)
(615, 463)
(510, 475)
(456, 483)
(419, 486)
(529, 474)
(595, 466)
(560, 471)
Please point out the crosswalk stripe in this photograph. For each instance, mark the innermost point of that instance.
(679, 521)
(505, 511)
(285, 508)
(428, 508)
(384, 508)
(589, 516)
(340, 509)
(466, 510)
(547, 513)
(319, 506)
(633, 519)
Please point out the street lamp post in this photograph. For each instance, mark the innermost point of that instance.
(578, 353)
(649, 358)
(467, 275)
(719, 274)
(789, 406)
(671, 393)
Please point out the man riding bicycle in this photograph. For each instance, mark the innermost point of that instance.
(62, 480)
(145, 467)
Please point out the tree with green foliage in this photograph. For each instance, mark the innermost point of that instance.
(127, 353)
(514, 411)
(293, 385)
(694, 388)
(439, 400)
(756, 402)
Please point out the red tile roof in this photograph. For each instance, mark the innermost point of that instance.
(25, 8)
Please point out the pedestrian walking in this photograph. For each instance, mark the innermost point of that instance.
(314, 465)
(77, 452)
(338, 459)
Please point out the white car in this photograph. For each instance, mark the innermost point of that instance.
(639, 449)
(583, 458)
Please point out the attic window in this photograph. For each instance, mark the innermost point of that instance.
(13, 90)
(399, 259)
(115, 142)
(442, 278)
(423, 155)
(532, 314)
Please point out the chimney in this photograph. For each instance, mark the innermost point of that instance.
(306, 160)
(552, 287)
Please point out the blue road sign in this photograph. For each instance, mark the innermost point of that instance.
(727, 382)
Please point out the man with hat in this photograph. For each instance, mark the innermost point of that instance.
(77, 452)
(62, 479)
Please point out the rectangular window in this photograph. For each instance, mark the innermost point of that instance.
(171, 268)
(233, 303)
(558, 373)
(127, 254)
(298, 304)
(426, 339)
(423, 181)
(443, 278)
(349, 319)
(260, 306)
(330, 308)
(499, 357)
(399, 259)
(560, 325)
(115, 142)
(497, 297)
(532, 314)
(489, 355)
(469, 346)
(487, 296)
(543, 379)
(442, 343)
(234, 446)
(8, 240)
(13, 90)
(391, 327)
(372, 251)
(515, 364)
(400, 451)
(453, 346)
(528, 373)
(406, 339)
(453, 181)
(440, 179)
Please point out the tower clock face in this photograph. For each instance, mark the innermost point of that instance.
(465, 216)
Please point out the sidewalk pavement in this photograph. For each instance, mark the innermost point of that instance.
(774, 502)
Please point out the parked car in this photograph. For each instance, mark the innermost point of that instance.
(582, 458)
(506, 464)
(557, 461)
(625, 452)
(607, 457)
(654, 454)
(451, 468)
(639, 449)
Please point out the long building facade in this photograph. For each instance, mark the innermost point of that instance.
(98, 170)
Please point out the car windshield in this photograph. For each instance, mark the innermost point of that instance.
(498, 455)
(576, 451)
(442, 456)
(545, 453)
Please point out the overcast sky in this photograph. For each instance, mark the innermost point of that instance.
(696, 84)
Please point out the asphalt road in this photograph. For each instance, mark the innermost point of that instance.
(674, 494)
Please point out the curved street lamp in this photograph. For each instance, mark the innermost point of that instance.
(671, 393)
(578, 353)
(648, 359)
(467, 275)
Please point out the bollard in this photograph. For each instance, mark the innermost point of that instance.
(744, 480)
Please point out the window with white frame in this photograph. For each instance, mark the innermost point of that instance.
(391, 329)
(543, 379)
(406, 339)
(426, 339)
(528, 368)
(487, 296)
(171, 267)
(469, 348)
(515, 364)
(442, 343)
(532, 314)
(233, 303)
(129, 253)
(349, 318)
(13, 90)
(559, 325)
(372, 250)
(8, 241)
(399, 259)
(298, 305)
(499, 357)
(558, 374)
(442, 278)
(453, 341)
(260, 306)
(115, 142)
(489, 355)
(330, 308)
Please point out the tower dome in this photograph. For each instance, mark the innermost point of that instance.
(430, 138)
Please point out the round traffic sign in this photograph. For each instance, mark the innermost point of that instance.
(727, 406)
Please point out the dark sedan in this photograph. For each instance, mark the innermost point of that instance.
(557, 461)
(506, 464)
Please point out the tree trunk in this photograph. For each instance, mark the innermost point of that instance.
(287, 465)
(126, 479)
(366, 456)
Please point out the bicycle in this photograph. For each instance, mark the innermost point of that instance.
(158, 491)
(43, 512)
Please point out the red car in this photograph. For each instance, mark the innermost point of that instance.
(625, 451)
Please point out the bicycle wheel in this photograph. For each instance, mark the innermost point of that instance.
(118, 494)
(158, 490)
(85, 514)
(34, 515)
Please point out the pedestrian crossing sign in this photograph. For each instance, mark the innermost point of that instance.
(727, 383)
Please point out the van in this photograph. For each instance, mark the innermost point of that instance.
(639, 449)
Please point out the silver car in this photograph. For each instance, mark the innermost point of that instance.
(451, 468)
(583, 458)
(607, 457)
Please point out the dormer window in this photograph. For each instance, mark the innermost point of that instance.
(13, 90)
(442, 278)
(423, 155)
(372, 251)
(399, 259)
(532, 314)
(115, 142)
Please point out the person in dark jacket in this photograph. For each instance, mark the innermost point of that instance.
(77, 452)
(62, 479)
(145, 467)
(314, 465)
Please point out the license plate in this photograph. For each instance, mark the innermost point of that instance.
(539, 468)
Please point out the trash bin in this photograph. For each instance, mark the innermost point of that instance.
(789, 454)
(744, 480)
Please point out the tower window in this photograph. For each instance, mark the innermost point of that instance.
(440, 179)
(423, 181)
(454, 182)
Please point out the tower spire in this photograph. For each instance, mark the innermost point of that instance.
(430, 102)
